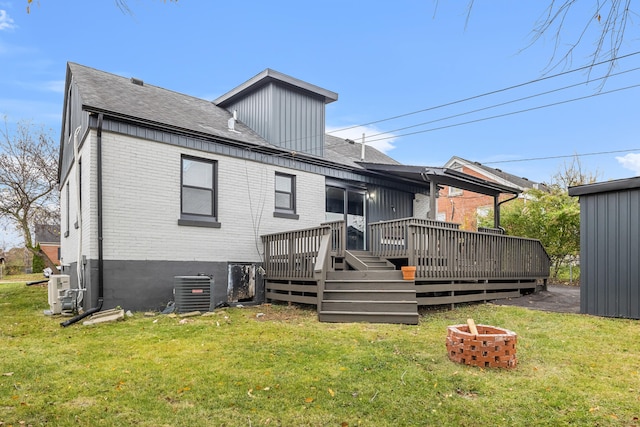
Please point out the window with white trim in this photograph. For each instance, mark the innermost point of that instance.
(453, 191)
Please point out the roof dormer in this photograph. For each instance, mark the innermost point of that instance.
(285, 111)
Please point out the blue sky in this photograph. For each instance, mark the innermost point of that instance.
(384, 59)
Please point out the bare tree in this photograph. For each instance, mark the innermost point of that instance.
(122, 5)
(28, 181)
(572, 174)
(603, 23)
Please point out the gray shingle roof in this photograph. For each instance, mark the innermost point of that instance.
(514, 180)
(340, 151)
(47, 233)
(121, 97)
(102, 91)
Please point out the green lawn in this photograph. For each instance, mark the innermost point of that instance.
(277, 366)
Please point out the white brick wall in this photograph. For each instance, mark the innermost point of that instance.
(141, 205)
(69, 245)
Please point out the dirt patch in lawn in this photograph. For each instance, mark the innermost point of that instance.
(556, 298)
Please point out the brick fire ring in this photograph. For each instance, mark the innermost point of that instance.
(493, 347)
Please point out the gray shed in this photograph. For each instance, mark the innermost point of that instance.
(610, 247)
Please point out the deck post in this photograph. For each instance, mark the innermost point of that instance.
(433, 196)
(411, 245)
(321, 266)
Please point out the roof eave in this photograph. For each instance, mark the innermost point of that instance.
(268, 76)
(444, 176)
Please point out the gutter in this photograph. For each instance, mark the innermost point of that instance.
(496, 210)
(100, 249)
(266, 149)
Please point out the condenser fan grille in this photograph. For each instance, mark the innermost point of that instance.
(193, 293)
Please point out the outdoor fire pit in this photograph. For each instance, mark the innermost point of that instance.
(483, 346)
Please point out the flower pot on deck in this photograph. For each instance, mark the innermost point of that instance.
(408, 272)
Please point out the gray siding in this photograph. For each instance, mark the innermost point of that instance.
(215, 146)
(284, 117)
(256, 112)
(148, 285)
(74, 116)
(389, 204)
(610, 253)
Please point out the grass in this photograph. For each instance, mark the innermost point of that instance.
(22, 277)
(569, 275)
(276, 365)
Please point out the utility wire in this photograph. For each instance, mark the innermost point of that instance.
(505, 114)
(488, 93)
(480, 96)
(497, 105)
(493, 106)
(599, 153)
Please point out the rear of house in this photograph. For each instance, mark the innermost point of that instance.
(156, 184)
(161, 190)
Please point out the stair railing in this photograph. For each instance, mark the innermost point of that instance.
(323, 263)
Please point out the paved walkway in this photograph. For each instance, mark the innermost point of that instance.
(557, 298)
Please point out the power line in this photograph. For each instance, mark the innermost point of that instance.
(498, 105)
(502, 104)
(599, 153)
(488, 93)
(506, 114)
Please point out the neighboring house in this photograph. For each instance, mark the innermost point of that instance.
(17, 261)
(464, 207)
(156, 184)
(48, 237)
(610, 247)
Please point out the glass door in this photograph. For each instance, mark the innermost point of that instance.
(348, 205)
(356, 224)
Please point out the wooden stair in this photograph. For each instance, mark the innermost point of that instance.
(363, 260)
(373, 295)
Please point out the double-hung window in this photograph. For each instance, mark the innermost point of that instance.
(285, 196)
(198, 204)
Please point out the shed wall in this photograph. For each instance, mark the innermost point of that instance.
(610, 254)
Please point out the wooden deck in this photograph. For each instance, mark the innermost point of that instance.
(452, 267)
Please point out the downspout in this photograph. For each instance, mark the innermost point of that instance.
(79, 270)
(496, 209)
(100, 253)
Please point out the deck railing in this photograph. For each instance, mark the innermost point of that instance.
(437, 249)
(338, 237)
(292, 254)
(440, 250)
